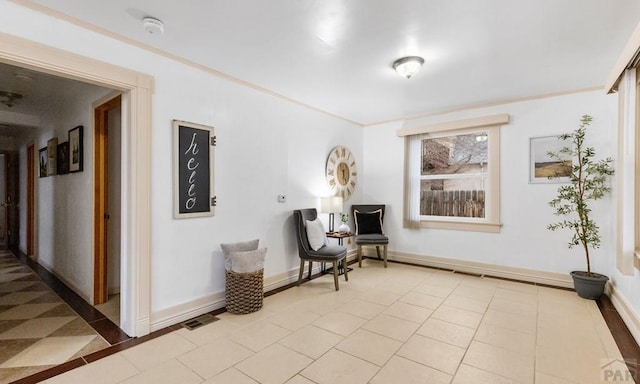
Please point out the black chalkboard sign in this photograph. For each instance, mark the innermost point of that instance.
(194, 170)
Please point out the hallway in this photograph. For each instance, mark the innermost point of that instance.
(38, 329)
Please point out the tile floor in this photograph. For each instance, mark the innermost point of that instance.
(37, 329)
(402, 324)
(111, 309)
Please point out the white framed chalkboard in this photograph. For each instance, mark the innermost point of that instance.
(193, 155)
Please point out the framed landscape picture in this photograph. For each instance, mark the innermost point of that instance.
(543, 166)
(75, 149)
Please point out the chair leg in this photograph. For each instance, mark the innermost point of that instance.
(310, 265)
(385, 255)
(378, 251)
(301, 271)
(359, 256)
(335, 274)
(344, 265)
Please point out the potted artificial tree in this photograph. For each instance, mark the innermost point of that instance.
(587, 182)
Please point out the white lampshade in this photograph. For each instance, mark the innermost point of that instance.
(408, 66)
(331, 204)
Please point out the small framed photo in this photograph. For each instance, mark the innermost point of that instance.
(43, 162)
(547, 169)
(63, 158)
(52, 152)
(76, 150)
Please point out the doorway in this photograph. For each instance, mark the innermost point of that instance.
(30, 199)
(136, 89)
(107, 125)
(9, 203)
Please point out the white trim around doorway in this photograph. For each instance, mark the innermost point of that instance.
(136, 91)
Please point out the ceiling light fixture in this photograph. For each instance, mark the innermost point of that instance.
(153, 25)
(408, 66)
(9, 98)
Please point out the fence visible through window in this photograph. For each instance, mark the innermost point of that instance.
(458, 203)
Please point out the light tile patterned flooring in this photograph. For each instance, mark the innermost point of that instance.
(111, 309)
(37, 329)
(402, 324)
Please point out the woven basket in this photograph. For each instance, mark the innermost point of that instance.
(244, 292)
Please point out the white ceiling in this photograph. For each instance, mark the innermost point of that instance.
(41, 93)
(336, 55)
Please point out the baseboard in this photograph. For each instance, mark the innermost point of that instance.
(185, 311)
(70, 284)
(113, 290)
(142, 327)
(626, 312)
(522, 274)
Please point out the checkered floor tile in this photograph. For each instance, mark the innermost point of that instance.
(37, 329)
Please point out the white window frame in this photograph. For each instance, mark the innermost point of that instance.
(625, 78)
(628, 182)
(491, 222)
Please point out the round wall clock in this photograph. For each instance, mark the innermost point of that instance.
(341, 172)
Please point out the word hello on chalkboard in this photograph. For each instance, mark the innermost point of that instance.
(194, 170)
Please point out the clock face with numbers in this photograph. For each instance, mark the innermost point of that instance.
(341, 172)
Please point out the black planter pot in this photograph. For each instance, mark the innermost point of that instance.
(589, 286)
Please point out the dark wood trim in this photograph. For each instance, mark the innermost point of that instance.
(101, 209)
(51, 372)
(624, 339)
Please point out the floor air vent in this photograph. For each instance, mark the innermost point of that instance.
(199, 321)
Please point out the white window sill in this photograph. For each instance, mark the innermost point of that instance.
(462, 226)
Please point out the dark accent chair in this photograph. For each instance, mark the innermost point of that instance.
(328, 253)
(368, 231)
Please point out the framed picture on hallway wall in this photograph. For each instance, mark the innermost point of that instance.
(63, 158)
(43, 160)
(76, 151)
(52, 152)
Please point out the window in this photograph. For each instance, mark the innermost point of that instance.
(628, 182)
(452, 175)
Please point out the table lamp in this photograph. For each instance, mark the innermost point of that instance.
(331, 204)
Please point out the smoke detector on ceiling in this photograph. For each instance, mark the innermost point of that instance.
(153, 25)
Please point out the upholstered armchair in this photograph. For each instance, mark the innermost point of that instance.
(313, 245)
(368, 220)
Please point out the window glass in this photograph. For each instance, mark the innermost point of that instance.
(453, 175)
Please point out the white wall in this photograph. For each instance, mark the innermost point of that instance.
(266, 147)
(523, 241)
(64, 203)
(7, 143)
(22, 190)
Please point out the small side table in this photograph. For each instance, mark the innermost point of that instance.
(340, 236)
